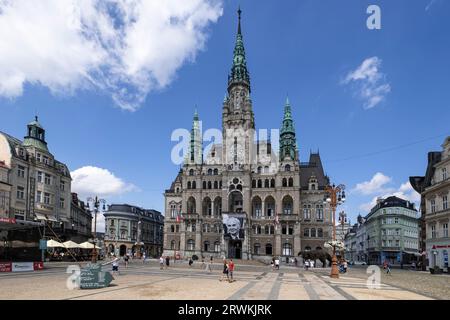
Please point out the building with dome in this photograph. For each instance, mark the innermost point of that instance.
(246, 199)
(36, 187)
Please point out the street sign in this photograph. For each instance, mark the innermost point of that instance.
(92, 277)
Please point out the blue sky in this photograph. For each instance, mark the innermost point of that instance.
(309, 50)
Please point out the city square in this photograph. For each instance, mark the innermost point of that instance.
(252, 282)
(201, 150)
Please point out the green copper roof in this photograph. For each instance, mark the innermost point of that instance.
(35, 123)
(33, 142)
(288, 142)
(239, 72)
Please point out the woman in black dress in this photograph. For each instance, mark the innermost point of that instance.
(225, 270)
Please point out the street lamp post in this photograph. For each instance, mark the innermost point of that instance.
(96, 205)
(342, 219)
(335, 196)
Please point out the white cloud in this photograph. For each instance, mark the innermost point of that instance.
(405, 191)
(126, 48)
(370, 81)
(91, 181)
(430, 4)
(375, 185)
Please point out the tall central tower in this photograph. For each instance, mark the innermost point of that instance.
(238, 122)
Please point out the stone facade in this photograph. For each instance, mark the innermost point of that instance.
(81, 220)
(276, 200)
(40, 184)
(434, 188)
(132, 230)
(392, 230)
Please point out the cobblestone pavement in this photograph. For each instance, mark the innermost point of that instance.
(180, 282)
(422, 282)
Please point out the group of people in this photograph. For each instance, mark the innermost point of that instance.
(309, 264)
(163, 260)
(228, 269)
(275, 264)
(343, 266)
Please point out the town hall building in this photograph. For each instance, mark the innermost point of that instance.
(244, 199)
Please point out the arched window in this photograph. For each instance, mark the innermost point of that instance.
(287, 249)
(266, 229)
(259, 183)
(207, 207)
(320, 232)
(189, 185)
(191, 206)
(172, 244)
(259, 169)
(206, 246)
(256, 207)
(306, 232)
(209, 185)
(220, 184)
(190, 244)
(272, 183)
(217, 246)
(266, 169)
(284, 182)
(216, 172)
(287, 205)
(307, 248)
(266, 183)
(204, 184)
(291, 182)
(253, 183)
(287, 167)
(218, 206)
(193, 185)
(268, 249)
(191, 172)
(210, 172)
(256, 248)
(216, 185)
(172, 228)
(318, 248)
(313, 232)
(269, 204)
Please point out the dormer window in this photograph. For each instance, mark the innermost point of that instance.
(287, 168)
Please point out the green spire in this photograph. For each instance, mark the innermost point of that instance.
(288, 143)
(239, 73)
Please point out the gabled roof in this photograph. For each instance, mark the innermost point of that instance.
(313, 168)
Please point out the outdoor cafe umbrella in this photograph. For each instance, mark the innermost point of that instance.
(88, 245)
(71, 245)
(54, 244)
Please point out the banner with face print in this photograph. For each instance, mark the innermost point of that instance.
(233, 226)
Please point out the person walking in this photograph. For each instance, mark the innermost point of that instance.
(115, 266)
(231, 269)
(190, 262)
(307, 264)
(311, 263)
(143, 258)
(345, 266)
(161, 262)
(272, 264)
(225, 271)
(388, 268)
(167, 262)
(277, 264)
(126, 258)
(296, 262)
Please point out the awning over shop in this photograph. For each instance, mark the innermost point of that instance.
(88, 245)
(64, 219)
(413, 253)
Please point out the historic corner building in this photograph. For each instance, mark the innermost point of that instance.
(434, 188)
(35, 187)
(245, 200)
(134, 231)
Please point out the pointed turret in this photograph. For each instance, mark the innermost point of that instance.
(239, 74)
(288, 143)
